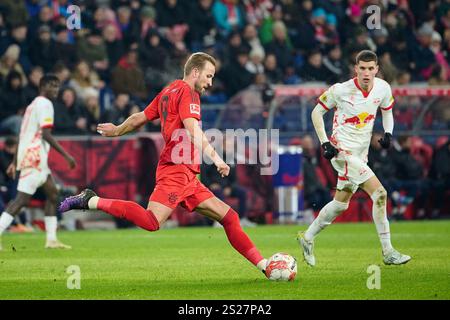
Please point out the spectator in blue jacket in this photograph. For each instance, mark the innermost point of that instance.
(228, 16)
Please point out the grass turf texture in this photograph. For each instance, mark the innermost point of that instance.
(199, 263)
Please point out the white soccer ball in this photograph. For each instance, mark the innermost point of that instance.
(281, 267)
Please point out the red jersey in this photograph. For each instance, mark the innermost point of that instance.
(176, 102)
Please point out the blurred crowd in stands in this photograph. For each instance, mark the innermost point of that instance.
(127, 50)
(415, 174)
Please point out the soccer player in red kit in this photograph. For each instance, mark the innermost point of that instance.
(178, 107)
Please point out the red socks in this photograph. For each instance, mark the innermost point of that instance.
(238, 238)
(130, 211)
(147, 220)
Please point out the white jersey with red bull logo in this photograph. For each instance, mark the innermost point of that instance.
(33, 149)
(355, 112)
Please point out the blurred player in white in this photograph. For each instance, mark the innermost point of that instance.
(31, 160)
(356, 103)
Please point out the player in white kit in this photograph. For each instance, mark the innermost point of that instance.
(34, 145)
(355, 103)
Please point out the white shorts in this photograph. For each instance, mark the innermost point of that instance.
(31, 179)
(352, 172)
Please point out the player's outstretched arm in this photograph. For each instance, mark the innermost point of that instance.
(47, 136)
(319, 126)
(201, 142)
(132, 123)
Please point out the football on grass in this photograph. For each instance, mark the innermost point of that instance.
(281, 267)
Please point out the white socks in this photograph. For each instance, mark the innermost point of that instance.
(5, 221)
(51, 223)
(262, 264)
(92, 203)
(334, 208)
(325, 218)
(380, 218)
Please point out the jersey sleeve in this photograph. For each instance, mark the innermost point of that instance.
(328, 99)
(388, 101)
(151, 111)
(46, 115)
(189, 106)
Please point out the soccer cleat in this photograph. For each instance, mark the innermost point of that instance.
(263, 269)
(262, 265)
(56, 244)
(395, 257)
(79, 201)
(20, 228)
(307, 248)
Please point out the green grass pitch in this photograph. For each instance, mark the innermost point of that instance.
(199, 263)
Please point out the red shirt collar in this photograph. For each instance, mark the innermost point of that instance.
(365, 93)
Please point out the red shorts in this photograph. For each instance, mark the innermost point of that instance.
(174, 188)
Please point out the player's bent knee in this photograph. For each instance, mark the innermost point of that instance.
(231, 219)
(340, 206)
(343, 195)
(379, 196)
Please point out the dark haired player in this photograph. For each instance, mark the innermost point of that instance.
(35, 141)
(355, 103)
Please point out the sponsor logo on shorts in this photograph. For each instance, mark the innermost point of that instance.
(173, 197)
(362, 171)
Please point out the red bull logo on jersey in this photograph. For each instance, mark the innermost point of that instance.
(360, 120)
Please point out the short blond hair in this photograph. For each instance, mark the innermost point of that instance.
(197, 60)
